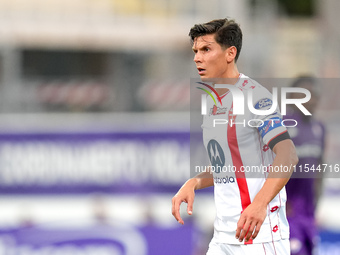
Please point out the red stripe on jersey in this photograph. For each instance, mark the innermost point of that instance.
(237, 162)
(224, 94)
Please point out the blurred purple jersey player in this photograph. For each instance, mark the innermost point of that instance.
(303, 189)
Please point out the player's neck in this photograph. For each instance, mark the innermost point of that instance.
(231, 78)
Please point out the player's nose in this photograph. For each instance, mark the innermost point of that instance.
(198, 57)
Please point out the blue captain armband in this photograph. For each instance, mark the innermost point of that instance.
(272, 131)
(269, 125)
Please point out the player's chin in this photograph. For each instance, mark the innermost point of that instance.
(209, 79)
(205, 78)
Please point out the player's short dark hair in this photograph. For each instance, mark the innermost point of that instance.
(227, 33)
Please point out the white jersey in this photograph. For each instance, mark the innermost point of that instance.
(239, 154)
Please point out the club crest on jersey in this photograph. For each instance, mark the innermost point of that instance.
(218, 110)
(265, 102)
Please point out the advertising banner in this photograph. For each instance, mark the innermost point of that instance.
(93, 162)
(97, 240)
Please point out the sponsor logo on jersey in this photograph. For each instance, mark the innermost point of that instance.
(276, 228)
(216, 154)
(273, 209)
(265, 147)
(218, 110)
(265, 102)
(224, 180)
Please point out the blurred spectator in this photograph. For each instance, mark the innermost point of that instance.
(304, 188)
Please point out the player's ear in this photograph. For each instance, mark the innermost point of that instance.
(230, 53)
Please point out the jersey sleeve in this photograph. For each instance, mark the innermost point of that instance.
(270, 126)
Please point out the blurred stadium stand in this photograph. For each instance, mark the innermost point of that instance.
(91, 89)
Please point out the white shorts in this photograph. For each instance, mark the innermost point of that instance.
(281, 247)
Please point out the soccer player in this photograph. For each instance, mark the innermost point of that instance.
(250, 212)
(303, 189)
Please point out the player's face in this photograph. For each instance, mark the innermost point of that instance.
(210, 58)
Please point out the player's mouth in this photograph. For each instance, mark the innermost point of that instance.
(201, 71)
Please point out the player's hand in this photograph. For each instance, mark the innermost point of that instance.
(186, 194)
(250, 222)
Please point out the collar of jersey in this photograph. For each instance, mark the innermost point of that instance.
(241, 75)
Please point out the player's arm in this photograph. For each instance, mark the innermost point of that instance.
(187, 193)
(253, 216)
